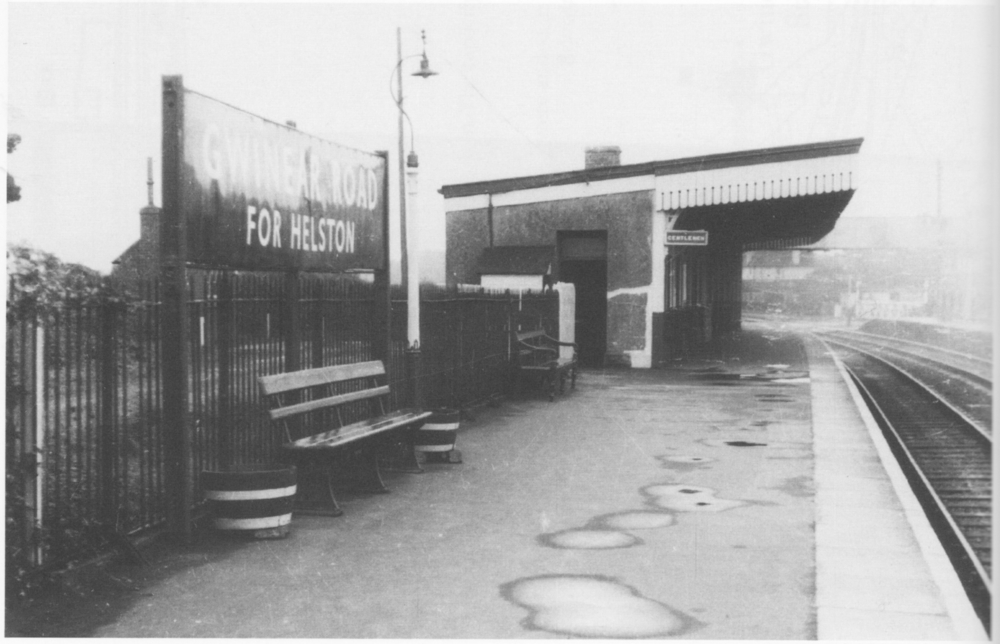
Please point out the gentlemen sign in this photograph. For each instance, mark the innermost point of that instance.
(687, 238)
(259, 195)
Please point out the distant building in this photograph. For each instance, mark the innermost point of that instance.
(779, 281)
(886, 267)
(140, 262)
(777, 266)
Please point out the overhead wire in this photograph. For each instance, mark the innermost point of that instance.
(495, 108)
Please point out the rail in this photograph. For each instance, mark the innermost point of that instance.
(967, 393)
(948, 462)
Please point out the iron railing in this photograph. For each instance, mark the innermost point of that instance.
(84, 386)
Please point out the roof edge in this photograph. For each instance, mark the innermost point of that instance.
(673, 166)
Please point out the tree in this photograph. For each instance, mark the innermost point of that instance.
(13, 190)
(39, 281)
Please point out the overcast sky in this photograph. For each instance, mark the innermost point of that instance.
(523, 89)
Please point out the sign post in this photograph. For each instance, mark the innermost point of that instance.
(174, 319)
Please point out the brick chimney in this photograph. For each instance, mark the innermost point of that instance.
(149, 230)
(602, 157)
(149, 215)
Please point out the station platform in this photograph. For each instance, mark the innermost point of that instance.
(736, 496)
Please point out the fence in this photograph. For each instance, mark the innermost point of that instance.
(84, 388)
(466, 339)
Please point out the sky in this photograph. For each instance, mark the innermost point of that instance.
(522, 89)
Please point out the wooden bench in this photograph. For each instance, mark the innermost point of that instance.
(304, 401)
(538, 359)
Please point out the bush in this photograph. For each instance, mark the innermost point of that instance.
(38, 280)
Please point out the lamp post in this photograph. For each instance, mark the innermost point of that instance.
(408, 186)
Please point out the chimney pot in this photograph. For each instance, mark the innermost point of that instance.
(603, 156)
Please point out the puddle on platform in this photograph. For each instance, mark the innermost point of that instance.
(688, 498)
(684, 462)
(635, 520)
(589, 539)
(593, 606)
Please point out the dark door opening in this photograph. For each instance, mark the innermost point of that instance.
(591, 282)
(583, 261)
(589, 276)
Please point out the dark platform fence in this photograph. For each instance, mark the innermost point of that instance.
(94, 395)
(466, 354)
(83, 391)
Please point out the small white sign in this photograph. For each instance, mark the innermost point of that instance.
(687, 238)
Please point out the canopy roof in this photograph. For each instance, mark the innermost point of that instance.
(685, 165)
(757, 199)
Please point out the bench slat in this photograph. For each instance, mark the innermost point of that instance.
(331, 401)
(283, 382)
(355, 431)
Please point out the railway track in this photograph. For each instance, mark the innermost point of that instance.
(936, 419)
(962, 381)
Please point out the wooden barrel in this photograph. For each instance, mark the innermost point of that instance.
(255, 500)
(437, 435)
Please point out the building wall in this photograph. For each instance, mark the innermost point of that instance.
(626, 217)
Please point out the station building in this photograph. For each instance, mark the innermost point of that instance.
(645, 289)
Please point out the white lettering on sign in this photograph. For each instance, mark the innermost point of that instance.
(686, 238)
(267, 224)
(238, 158)
(308, 233)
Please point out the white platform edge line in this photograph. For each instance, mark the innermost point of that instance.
(964, 619)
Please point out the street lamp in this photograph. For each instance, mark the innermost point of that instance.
(407, 238)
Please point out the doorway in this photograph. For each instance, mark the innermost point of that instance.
(583, 262)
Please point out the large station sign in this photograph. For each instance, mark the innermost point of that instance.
(255, 194)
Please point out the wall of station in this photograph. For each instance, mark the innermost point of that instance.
(626, 218)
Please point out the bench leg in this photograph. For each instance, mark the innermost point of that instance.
(401, 456)
(371, 471)
(315, 494)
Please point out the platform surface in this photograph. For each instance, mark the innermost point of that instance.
(733, 497)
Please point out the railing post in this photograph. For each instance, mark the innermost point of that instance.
(293, 322)
(511, 330)
(460, 337)
(107, 436)
(292, 329)
(33, 443)
(224, 319)
(383, 281)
